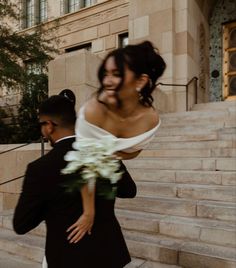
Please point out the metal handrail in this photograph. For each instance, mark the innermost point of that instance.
(42, 153)
(12, 149)
(195, 79)
(14, 179)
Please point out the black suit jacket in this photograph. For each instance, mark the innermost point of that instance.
(44, 198)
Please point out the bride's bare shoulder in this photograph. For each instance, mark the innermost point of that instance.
(151, 118)
(95, 111)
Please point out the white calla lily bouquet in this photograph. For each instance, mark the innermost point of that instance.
(93, 162)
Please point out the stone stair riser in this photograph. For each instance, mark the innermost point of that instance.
(29, 252)
(222, 152)
(198, 233)
(219, 237)
(160, 206)
(218, 193)
(152, 252)
(193, 145)
(152, 175)
(187, 130)
(192, 137)
(178, 226)
(176, 153)
(197, 177)
(210, 164)
(191, 260)
(179, 207)
(214, 211)
(184, 176)
(200, 193)
(214, 106)
(229, 178)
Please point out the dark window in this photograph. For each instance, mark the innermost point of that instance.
(73, 5)
(30, 15)
(123, 40)
(33, 12)
(42, 10)
(86, 46)
(69, 6)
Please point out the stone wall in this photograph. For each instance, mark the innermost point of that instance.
(13, 165)
(174, 27)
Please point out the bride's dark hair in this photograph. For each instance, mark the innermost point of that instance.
(142, 58)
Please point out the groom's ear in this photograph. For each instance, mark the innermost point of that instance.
(50, 127)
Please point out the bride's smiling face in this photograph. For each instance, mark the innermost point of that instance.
(116, 86)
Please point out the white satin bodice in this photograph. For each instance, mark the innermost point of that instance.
(84, 129)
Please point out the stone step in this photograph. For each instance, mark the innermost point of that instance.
(225, 211)
(177, 251)
(6, 222)
(192, 145)
(199, 118)
(210, 164)
(27, 246)
(181, 207)
(194, 229)
(177, 227)
(227, 134)
(16, 256)
(222, 152)
(189, 130)
(160, 205)
(200, 177)
(216, 106)
(193, 133)
(140, 263)
(187, 191)
(8, 260)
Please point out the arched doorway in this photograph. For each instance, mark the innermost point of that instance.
(223, 51)
(229, 60)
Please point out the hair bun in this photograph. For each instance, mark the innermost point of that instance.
(69, 94)
(155, 63)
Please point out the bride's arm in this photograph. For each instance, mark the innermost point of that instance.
(85, 222)
(127, 156)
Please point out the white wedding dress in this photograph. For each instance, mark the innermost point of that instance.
(84, 129)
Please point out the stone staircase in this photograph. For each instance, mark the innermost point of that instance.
(185, 212)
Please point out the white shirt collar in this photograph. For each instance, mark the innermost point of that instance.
(65, 138)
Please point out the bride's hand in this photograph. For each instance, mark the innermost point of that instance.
(82, 226)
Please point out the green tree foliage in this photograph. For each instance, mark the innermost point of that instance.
(16, 50)
(36, 91)
(6, 130)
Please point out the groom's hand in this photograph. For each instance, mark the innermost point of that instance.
(82, 226)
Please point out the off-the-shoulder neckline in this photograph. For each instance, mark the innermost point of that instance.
(82, 116)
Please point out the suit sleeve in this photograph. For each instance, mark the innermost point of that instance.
(126, 187)
(31, 205)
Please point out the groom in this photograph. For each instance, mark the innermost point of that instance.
(44, 198)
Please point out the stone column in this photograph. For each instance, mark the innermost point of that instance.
(76, 71)
(173, 28)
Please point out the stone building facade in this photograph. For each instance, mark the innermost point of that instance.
(188, 34)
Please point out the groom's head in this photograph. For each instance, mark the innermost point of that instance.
(57, 118)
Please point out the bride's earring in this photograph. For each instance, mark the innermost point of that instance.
(138, 89)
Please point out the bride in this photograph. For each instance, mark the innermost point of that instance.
(121, 108)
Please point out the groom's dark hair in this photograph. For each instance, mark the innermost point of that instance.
(60, 108)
